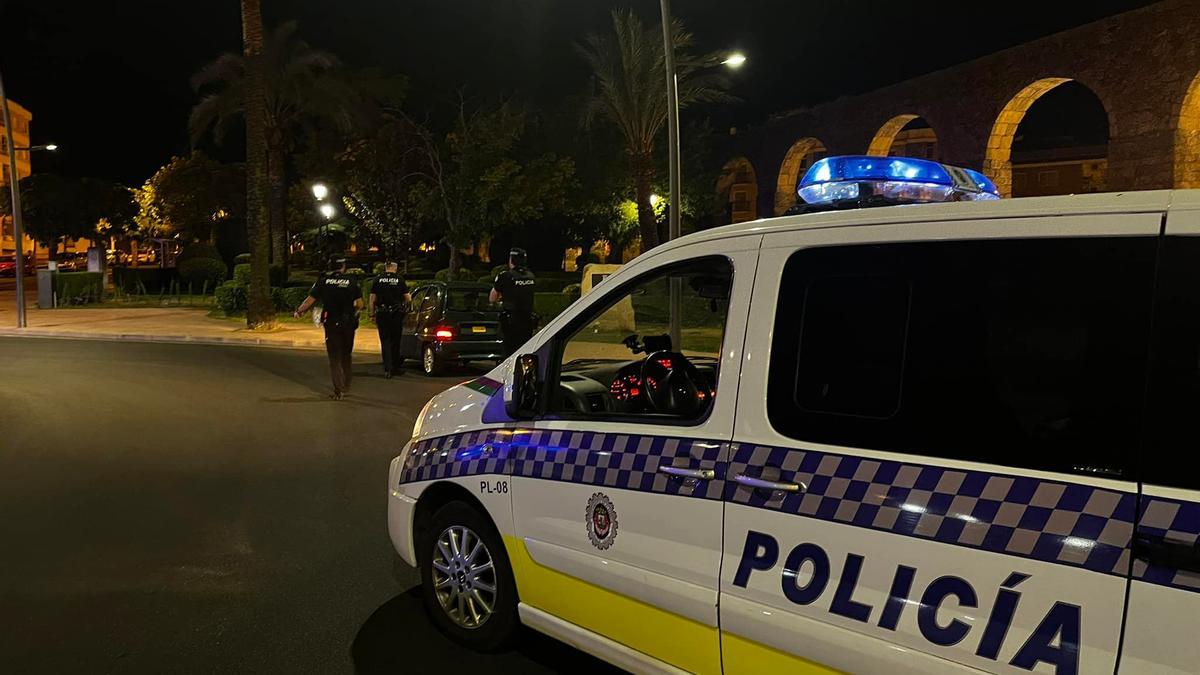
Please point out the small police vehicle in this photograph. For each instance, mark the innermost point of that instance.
(927, 438)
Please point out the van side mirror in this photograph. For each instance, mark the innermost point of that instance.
(526, 388)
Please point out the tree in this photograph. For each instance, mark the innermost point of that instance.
(305, 89)
(629, 84)
(384, 186)
(479, 180)
(192, 197)
(260, 310)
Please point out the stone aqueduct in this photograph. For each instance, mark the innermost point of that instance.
(1143, 65)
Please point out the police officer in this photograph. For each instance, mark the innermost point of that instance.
(388, 302)
(513, 288)
(341, 298)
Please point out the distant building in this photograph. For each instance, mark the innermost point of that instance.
(20, 131)
(1041, 173)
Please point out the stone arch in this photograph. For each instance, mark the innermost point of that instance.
(997, 163)
(738, 185)
(908, 135)
(797, 160)
(1187, 139)
(881, 144)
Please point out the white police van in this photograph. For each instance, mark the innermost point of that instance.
(930, 438)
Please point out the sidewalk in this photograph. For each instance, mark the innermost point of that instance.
(163, 324)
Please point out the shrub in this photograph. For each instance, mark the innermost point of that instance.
(486, 280)
(198, 250)
(497, 270)
(444, 274)
(241, 274)
(202, 273)
(572, 291)
(241, 259)
(287, 299)
(231, 297)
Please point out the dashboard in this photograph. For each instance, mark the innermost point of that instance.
(606, 386)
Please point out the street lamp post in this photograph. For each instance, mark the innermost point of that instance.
(18, 230)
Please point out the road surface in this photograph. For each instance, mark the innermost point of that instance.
(187, 509)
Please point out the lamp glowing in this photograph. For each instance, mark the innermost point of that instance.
(327, 210)
(735, 60)
(320, 192)
(654, 200)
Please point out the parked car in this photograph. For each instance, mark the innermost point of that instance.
(8, 265)
(451, 323)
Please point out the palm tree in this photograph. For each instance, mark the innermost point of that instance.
(260, 311)
(304, 87)
(630, 91)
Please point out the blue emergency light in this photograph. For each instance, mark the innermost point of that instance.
(864, 180)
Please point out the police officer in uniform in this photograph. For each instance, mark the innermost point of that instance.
(513, 288)
(341, 298)
(388, 302)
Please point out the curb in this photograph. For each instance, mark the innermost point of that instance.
(169, 339)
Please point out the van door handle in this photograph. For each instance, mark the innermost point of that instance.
(760, 484)
(1159, 550)
(681, 472)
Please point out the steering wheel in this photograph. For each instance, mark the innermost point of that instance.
(669, 384)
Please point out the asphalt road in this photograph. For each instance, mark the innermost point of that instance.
(186, 508)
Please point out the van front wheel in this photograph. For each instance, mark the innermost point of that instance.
(466, 579)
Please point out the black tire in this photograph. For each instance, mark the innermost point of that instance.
(431, 363)
(501, 625)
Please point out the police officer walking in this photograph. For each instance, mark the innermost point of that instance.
(388, 302)
(341, 298)
(513, 288)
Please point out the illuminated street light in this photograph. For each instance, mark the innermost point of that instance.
(735, 60)
(327, 210)
(33, 148)
(654, 200)
(320, 192)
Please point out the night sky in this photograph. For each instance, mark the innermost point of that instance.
(108, 81)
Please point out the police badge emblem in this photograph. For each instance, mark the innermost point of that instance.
(601, 519)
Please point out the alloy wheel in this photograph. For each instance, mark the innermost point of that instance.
(464, 577)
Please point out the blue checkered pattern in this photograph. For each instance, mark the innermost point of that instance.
(1065, 523)
(1056, 522)
(1178, 522)
(469, 454)
(621, 461)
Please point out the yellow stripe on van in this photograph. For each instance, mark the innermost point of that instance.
(752, 658)
(668, 637)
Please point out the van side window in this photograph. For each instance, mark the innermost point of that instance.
(1028, 353)
(1171, 458)
(618, 360)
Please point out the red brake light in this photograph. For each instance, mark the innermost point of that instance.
(443, 333)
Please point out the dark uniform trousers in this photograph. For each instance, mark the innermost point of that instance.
(390, 323)
(517, 328)
(339, 346)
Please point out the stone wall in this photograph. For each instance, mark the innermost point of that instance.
(1141, 64)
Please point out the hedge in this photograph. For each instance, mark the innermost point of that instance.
(76, 288)
(152, 280)
(202, 274)
(231, 297)
(289, 298)
(550, 305)
(198, 250)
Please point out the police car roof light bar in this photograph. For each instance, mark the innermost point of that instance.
(863, 180)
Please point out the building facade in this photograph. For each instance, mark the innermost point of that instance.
(21, 119)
